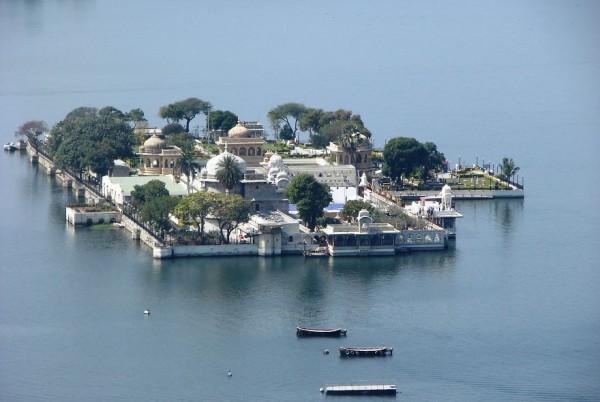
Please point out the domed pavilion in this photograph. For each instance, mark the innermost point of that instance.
(241, 142)
(158, 158)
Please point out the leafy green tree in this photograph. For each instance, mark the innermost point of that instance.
(435, 158)
(229, 172)
(89, 139)
(508, 169)
(32, 130)
(402, 156)
(172, 129)
(186, 109)
(288, 115)
(111, 111)
(309, 196)
(353, 207)
(136, 116)
(310, 121)
(326, 127)
(182, 140)
(148, 192)
(223, 120)
(194, 208)
(157, 211)
(286, 134)
(230, 211)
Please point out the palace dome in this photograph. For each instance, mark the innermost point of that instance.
(212, 166)
(239, 131)
(154, 143)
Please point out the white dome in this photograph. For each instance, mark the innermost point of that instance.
(212, 166)
(276, 161)
(283, 175)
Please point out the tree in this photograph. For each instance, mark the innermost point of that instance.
(435, 158)
(326, 127)
(286, 134)
(187, 165)
(157, 211)
(402, 156)
(186, 110)
(310, 121)
(288, 115)
(353, 207)
(508, 169)
(148, 192)
(32, 130)
(136, 116)
(194, 208)
(309, 196)
(92, 139)
(229, 172)
(230, 211)
(222, 120)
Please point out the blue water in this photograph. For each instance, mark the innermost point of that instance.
(510, 312)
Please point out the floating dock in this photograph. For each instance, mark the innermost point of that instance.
(366, 389)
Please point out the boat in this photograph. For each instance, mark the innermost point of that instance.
(365, 351)
(303, 331)
(360, 389)
(9, 146)
(317, 252)
(118, 225)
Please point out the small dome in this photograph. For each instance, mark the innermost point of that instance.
(275, 161)
(239, 131)
(154, 142)
(212, 166)
(283, 175)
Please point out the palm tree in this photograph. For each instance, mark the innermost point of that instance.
(508, 169)
(188, 165)
(348, 141)
(229, 172)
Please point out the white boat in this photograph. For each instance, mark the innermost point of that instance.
(9, 146)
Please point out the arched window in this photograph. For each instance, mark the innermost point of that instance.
(155, 163)
(147, 163)
(358, 159)
(234, 151)
(251, 152)
(258, 151)
(242, 151)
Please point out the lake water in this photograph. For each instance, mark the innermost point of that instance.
(510, 312)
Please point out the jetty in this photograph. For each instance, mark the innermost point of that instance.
(362, 389)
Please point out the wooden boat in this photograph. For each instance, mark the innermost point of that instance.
(365, 351)
(317, 252)
(360, 389)
(302, 331)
